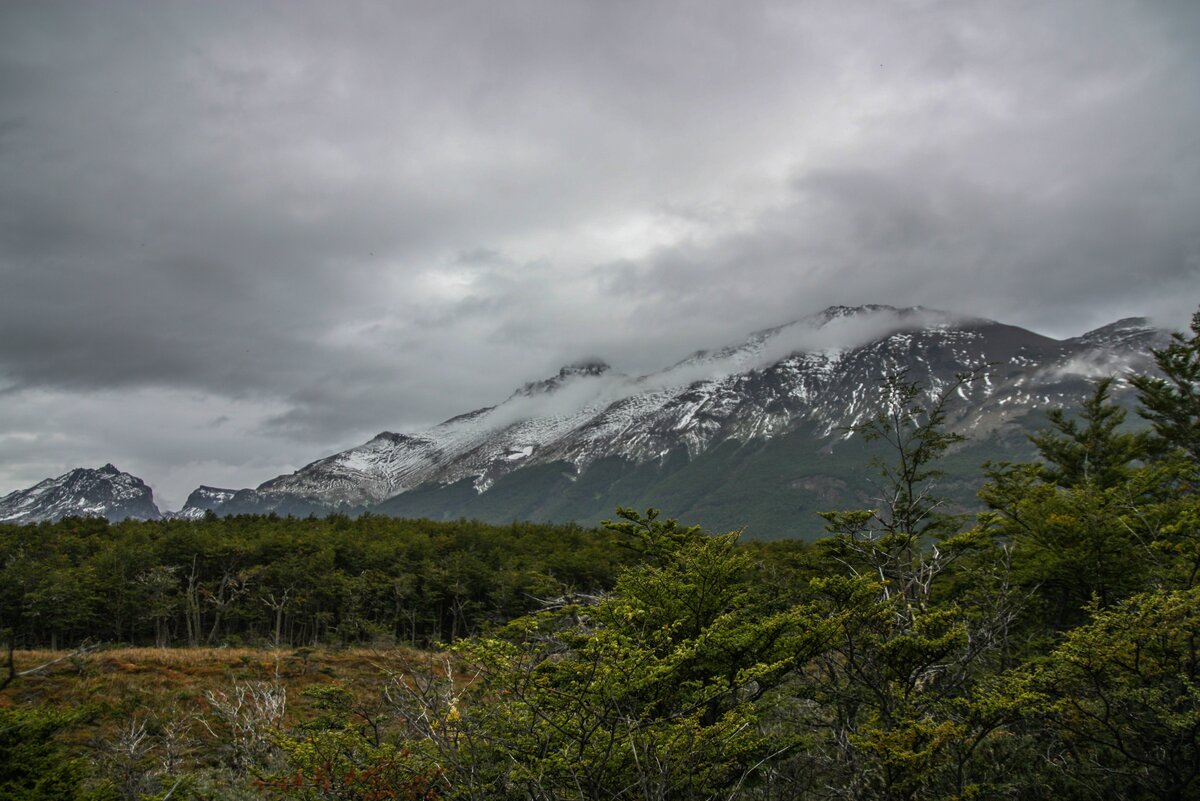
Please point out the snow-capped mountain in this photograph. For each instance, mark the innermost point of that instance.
(803, 382)
(103, 492)
(201, 500)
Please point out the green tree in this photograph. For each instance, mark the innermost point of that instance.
(897, 699)
(1172, 402)
(160, 593)
(1077, 520)
(652, 692)
(1121, 697)
(902, 541)
(34, 766)
(1096, 453)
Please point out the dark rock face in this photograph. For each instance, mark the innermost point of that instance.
(104, 492)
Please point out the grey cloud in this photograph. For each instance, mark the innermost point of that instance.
(332, 219)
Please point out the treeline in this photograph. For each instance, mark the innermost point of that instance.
(286, 581)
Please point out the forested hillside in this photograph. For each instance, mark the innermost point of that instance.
(1043, 649)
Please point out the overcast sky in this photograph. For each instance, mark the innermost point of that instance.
(235, 237)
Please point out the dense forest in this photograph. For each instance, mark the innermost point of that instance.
(1045, 648)
(267, 580)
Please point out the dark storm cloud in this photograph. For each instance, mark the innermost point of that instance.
(321, 220)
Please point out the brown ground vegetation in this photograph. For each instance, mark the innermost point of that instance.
(112, 686)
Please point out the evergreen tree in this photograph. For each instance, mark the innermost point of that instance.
(891, 541)
(1172, 403)
(1096, 453)
(1074, 519)
(899, 703)
(34, 766)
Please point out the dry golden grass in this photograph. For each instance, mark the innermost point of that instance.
(116, 685)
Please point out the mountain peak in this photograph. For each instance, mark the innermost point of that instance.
(587, 368)
(1126, 331)
(907, 315)
(834, 312)
(83, 492)
(1123, 325)
(390, 437)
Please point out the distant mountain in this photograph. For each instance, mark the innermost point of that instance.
(748, 434)
(202, 500)
(104, 492)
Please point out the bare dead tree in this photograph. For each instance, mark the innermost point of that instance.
(11, 673)
(246, 717)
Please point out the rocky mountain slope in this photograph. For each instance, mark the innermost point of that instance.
(103, 492)
(578, 443)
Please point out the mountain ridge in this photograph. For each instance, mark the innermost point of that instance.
(725, 413)
(819, 370)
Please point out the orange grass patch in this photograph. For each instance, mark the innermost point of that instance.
(114, 686)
